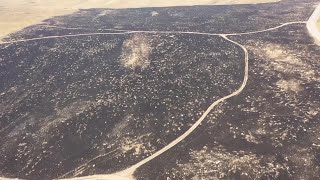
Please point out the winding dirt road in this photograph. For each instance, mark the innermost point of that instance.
(127, 174)
(121, 32)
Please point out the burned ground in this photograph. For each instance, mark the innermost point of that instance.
(210, 19)
(67, 101)
(88, 104)
(271, 130)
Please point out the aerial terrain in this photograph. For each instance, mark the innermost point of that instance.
(18, 14)
(218, 90)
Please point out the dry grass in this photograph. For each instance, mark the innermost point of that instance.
(18, 14)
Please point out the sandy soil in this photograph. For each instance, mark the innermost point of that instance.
(17, 14)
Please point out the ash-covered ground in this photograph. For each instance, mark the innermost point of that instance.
(270, 131)
(98, 103)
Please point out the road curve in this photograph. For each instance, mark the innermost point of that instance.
(128, 173)
(269, 29)
(121, 32)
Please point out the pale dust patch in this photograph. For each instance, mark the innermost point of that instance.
(280, 54)
(313, 112)
(104, 13)
(130, 145)
(218, 163)
(64, 114)
(140, 145)
(73, 108)
(154, 13)
(291, 85)
(303, 158)
(251, 138)
(261, 131)
(286, 61)
(136, 52)
(121, 127)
